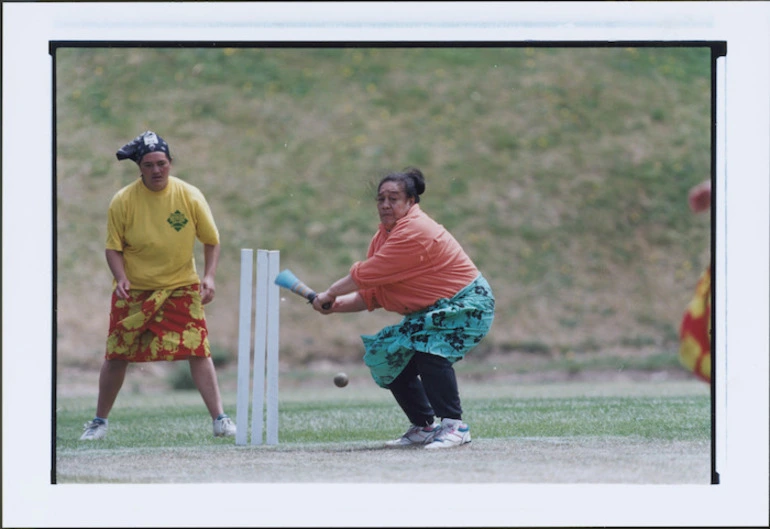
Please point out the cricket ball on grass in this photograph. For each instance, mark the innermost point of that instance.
(340, 380)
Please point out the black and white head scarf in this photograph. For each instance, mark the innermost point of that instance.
(144, 143)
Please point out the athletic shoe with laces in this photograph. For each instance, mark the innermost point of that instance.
(453, 432)
(93, 430)
(224, 427)
(416, 435)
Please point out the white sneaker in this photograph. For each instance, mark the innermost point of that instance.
(453, 432)
(416, 435)
(95, 429)
(224, 427)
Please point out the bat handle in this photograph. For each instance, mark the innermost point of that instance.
(312, 295)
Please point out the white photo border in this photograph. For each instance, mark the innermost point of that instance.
(29, 498)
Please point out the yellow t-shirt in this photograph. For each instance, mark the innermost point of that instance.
(156, 231)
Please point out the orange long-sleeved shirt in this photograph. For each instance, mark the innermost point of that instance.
(414, 265)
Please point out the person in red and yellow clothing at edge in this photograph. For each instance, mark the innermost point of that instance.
(695, 329)
(416, 268)
(157, 304)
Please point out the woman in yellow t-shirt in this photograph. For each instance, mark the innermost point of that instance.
(156, 310)
(416, 268)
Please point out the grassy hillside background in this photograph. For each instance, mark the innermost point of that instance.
(562, 171)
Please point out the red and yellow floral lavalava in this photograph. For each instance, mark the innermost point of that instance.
(154, 325)
(695, 330)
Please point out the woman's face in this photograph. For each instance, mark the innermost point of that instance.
(155, 167)
(392, 203)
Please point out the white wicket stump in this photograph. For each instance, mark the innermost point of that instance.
(264, 404)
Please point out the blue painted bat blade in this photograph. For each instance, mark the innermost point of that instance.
(286, 279)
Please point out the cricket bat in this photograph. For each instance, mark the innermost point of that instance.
(289, 281)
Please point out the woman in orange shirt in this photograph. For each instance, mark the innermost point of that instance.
(416, 268)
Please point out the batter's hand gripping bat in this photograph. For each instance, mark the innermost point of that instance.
(288, 280)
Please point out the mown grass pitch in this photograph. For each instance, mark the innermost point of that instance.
(597, 432)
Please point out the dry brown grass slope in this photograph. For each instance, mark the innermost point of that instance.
(563, 172)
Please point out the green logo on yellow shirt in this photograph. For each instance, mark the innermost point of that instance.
(177, 220)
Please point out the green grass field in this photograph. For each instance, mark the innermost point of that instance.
(563, 172)
(612, 430)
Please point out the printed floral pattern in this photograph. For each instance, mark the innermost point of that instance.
(449, 328)
(695, 330)
(156, 325)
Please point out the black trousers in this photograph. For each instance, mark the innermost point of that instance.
(427, 388)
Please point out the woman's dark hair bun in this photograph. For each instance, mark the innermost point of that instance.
(410, 179)
(419, 180)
